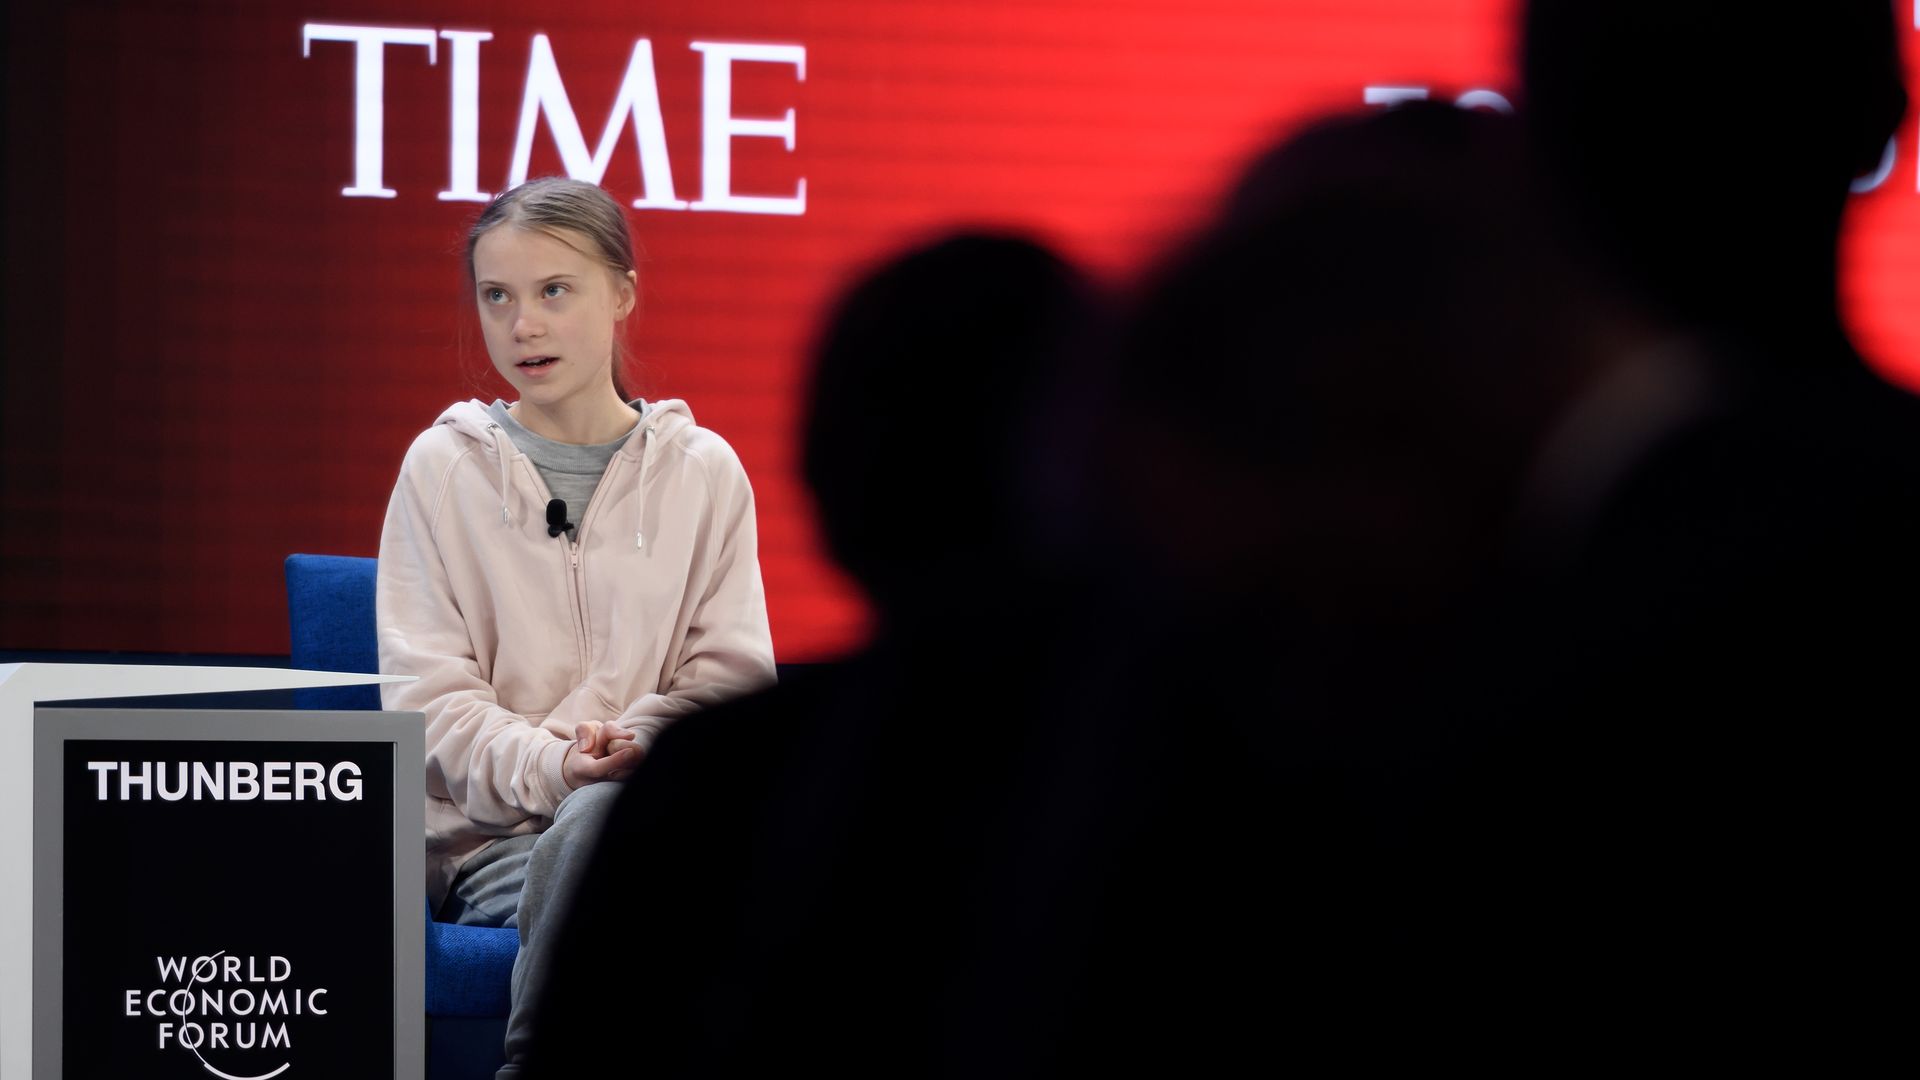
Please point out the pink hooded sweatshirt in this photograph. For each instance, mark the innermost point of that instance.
(655, 610)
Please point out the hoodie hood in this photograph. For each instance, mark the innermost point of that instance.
(665, 420)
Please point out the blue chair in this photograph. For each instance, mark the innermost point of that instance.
(469, 969)
(330, 609)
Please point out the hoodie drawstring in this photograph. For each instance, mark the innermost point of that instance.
(640, 513)
(500, 447)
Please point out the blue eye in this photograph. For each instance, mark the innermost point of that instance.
(553, 290)
(494, 296)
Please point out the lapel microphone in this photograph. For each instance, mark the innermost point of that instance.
(557, 522)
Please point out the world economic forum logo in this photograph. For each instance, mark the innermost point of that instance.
(216, 1006)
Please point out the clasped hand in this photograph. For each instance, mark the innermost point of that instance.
(601, 751)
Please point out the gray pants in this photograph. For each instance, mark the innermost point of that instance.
(529, 882)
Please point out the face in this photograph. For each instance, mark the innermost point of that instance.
(548, 311)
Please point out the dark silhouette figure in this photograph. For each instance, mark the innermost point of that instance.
(1464, 640)
(1728, 517)
(1326, 407)
(1523, 627)
(792, 879)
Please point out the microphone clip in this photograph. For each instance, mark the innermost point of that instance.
(557, 522)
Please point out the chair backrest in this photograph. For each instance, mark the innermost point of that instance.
(330, 608)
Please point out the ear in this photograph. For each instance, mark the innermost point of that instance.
(627, 286)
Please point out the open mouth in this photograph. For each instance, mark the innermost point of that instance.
(538, 362)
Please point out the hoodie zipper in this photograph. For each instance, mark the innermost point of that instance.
(576, 577)
(576, 594)
(579, 603)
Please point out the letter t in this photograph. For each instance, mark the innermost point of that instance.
(100, 771)
(369, 83)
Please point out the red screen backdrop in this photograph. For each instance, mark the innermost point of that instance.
(234, 235)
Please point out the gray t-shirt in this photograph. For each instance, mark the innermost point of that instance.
(571, 472)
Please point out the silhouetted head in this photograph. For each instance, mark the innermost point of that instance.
(1334, 387)
(924, 424)
(1705, 148)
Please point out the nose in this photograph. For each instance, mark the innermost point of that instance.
(526, 328)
